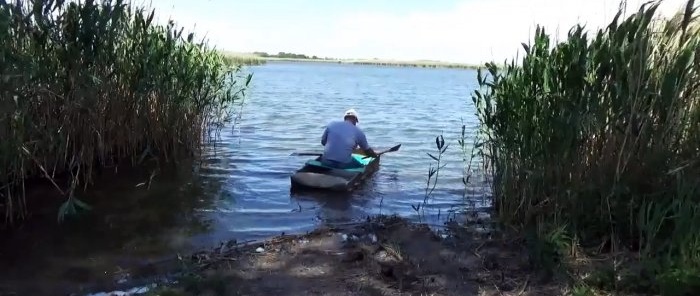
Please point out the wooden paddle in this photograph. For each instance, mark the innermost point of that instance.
(392, 149)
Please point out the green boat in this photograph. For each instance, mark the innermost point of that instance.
(315, 175)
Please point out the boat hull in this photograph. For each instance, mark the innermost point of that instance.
(314, 175)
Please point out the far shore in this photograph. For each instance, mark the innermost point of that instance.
(380, 62)
(252, 59)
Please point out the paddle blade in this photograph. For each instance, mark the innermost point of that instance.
(392, 149)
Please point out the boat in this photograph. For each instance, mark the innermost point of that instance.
(315, 175)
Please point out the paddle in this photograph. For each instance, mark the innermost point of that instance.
(392, 149)
(305, 154)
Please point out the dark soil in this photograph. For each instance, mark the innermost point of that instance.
(386, 256)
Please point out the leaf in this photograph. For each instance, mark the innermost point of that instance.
(431, 172)
(433, 157)
(144, 153)
(248, 79)
(62, 210)
(150, 17)
(444, 148)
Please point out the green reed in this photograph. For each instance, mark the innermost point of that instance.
(233, 59)
(86, 85)
(433, 175)
(600, 133)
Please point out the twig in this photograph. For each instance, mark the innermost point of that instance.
(524, 287)
(43, 170)
(476, 250)
(497, 289)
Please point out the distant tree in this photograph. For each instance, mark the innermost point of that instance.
(283, 54)
(290, 55)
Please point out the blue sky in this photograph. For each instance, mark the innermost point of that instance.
(470, 31)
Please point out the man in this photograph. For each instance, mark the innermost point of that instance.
(340, 138)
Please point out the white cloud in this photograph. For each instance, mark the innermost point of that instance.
(473, 32)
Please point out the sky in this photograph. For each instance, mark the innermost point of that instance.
(465, 31)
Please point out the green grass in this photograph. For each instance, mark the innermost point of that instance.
(599, 136)
(86, 85)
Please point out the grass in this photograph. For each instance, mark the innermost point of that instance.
(86, 85)
(596, 138)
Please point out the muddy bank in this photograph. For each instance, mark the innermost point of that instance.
(382, 256)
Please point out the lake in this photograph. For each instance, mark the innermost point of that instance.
(241, 188)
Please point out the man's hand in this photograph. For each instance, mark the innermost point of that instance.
(370, 152)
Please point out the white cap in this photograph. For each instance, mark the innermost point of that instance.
(352, 112)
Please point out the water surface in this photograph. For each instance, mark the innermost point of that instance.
(241, 189)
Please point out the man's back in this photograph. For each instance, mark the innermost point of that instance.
(340, 138)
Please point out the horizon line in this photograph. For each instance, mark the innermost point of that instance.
(253, 54)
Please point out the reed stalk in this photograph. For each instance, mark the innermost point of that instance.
(84, 85)
(600, 134)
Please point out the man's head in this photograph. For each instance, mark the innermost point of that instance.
(352, 116)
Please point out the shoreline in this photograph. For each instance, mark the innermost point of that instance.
(391, 63)
(385, 255)
(253, 60)
(380, 62)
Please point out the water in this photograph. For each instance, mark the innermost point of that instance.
(241, 190)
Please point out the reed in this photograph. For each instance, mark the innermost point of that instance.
(238, 59)
(85, 85)
(600, 134)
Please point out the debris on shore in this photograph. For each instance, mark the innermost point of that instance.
(383, 256)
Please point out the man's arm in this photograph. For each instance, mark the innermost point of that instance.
(324, 138)
(362, 142)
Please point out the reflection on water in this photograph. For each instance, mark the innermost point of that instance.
(132, 222)
(241, 189)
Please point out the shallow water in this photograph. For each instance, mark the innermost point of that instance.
(241, 189)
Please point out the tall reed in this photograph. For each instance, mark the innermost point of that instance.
(601, 134)
(233, 59)
(86, 84)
